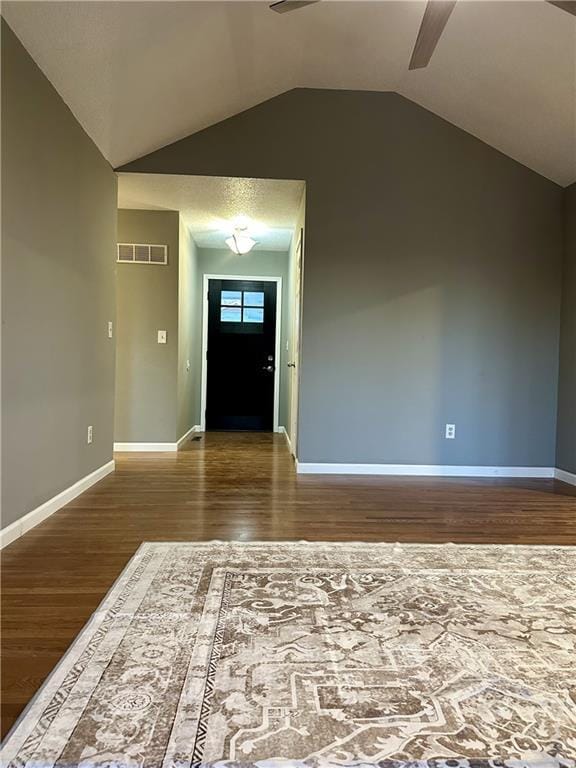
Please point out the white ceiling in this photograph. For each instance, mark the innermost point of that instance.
(209, 205)
(139, 75)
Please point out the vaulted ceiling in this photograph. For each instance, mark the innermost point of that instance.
(139, 75)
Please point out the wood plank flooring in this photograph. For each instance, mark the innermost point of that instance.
(234, 486)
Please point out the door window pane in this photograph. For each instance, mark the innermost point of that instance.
(231, 298)
(253, 315)
(242, 307)
(253, 298)
(230, 314)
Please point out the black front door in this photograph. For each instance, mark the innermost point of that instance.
(241, 354)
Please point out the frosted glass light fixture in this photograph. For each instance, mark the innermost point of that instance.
(240, 242)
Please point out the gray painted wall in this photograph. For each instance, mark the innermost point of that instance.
(147, 301)
(432, 277)
(566, 446)
(256, 263)
(58, 245)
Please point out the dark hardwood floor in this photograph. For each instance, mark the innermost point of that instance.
(234, 486)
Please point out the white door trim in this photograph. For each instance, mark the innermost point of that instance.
(298, 272)
(267, 279)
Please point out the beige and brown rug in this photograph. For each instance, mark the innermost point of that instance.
(318, 655)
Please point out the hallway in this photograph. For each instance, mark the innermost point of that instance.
(236, 486)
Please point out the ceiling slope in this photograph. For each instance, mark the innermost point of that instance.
(139, 75)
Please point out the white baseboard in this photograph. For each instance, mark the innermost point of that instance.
(566, 477)
(156, 447)
(31, 519)
(284, 431)
(188, 435)
(36, 516)
(139, 447)
(422, 470)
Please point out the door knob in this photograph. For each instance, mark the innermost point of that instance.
(291, 365)
(268, 368)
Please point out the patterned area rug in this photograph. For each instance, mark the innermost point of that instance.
(318, 655)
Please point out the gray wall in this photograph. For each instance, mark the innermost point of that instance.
(432, 277)
(255, 263)
(58, 245)
(147, 301)
(566, 446)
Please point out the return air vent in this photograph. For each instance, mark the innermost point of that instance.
(138, 253)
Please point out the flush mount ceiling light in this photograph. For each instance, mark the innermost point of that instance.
(240, 242)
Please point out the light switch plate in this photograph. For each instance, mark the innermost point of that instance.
(161, 337)
(110, 329)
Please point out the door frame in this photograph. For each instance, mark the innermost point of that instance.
(296, 343)
(277, 351)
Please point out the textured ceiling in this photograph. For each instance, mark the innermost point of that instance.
(140, 75)
(210, 204)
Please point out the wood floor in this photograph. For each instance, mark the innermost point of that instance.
(234, 486)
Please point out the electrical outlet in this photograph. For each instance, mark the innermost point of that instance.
(161, 337)
(450, 431)
(89, 436)
(110, 329)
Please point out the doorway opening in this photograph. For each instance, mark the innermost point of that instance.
(240, 353)
(208, 337)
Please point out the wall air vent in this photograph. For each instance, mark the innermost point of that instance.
(138, 253)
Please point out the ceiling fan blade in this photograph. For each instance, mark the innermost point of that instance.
(435, 17)
(566, 5)
(283, 6)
